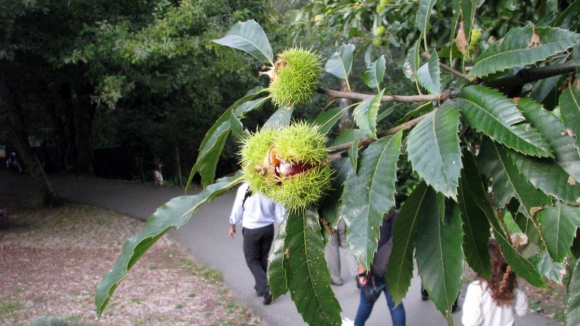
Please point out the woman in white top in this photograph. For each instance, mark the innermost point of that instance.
(493, 302)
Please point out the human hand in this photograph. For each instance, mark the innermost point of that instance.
(362, 279)
(232, 230)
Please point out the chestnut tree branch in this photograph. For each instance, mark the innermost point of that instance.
(525, 76)
(455, 72)
(367, 140)
(450, 93)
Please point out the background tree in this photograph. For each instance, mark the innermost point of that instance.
(490, 155)
(130, 73)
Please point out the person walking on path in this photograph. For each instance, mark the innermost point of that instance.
(158, 175)
(257, 215)
(333, 259)
(493, 302)
(372, 282)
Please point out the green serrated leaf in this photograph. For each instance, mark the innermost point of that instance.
(246, 107)
(570, 110)
(173, 214)
(520, 265)
(556, 177)
(375, 72)
(422, 109)
(340, 63)
(439, 254)
(276, 272)
(434, 152)
(558, 225)
(387, 112)
(347, 136)
(571, 11)
(412, 62)
(544, 87)
(214, 141)
(331, 208)
(423, 16)
(429, 75)
(471, 197)
(249, 37)
(468, 9)
(365, 115)
(237, 127)
(572, 311)
(566, 155)
(400, 266)
(369, 194)
(547, 267)
(494, 161)
(498, 117)
(522, 46)
(207, 161)
(307, 273)
(327, 119)
(280, 118)
(353, 155)
(510, 223)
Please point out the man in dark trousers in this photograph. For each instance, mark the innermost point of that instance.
(257, 215)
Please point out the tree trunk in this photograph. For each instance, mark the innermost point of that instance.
(20, 140)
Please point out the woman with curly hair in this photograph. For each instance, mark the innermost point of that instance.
(493, 302)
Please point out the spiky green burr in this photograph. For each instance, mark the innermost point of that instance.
(288, 165)
(295, 77)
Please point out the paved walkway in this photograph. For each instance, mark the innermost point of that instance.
(206, 235)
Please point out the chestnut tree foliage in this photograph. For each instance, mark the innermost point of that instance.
(493, 139)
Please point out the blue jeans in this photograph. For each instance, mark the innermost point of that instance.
(365, 306)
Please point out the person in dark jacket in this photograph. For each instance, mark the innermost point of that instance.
(372, 282)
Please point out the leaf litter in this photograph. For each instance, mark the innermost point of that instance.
(51, 261)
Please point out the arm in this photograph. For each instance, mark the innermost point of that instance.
(521, 302)
(472, 314)
(237, 210)
(362, 280)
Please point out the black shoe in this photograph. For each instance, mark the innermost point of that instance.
(424, 297)
(260, 294)
(267, 298)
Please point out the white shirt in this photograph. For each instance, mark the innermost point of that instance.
(479, 309)
(158, 177)
(258, 211)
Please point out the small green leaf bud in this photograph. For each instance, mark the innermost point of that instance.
(379, 31)
(380, 8)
